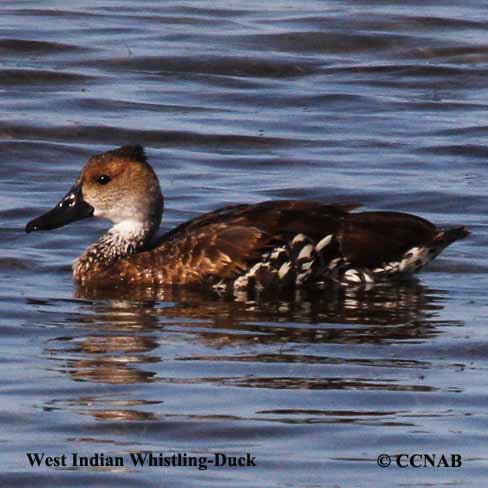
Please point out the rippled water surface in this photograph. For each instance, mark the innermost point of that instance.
(383, 103)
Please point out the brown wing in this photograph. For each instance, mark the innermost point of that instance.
(215, 250)
(369, 239)
(224, 243)
(273, 217)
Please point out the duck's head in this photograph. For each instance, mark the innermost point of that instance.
(117, 185)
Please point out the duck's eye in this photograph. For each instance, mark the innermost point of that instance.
(104, 179)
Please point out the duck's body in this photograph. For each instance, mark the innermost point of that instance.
(262, 246)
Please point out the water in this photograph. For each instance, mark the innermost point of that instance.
(373, 102)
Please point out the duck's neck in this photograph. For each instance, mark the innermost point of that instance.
(122, 240)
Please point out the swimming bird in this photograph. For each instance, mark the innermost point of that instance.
(268, 245)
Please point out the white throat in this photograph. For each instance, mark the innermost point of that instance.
(129, 229)
(128, 236)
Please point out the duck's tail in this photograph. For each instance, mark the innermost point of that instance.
(447, 236)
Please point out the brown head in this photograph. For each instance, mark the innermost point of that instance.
(117, 185)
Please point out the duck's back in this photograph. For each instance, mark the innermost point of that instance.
(283, 243)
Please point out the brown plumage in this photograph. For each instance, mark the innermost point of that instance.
(225, 243)
(270, 244)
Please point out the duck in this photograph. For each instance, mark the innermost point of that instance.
(272, 245)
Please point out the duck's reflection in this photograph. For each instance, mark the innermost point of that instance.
(121, 337)
(338, 314)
